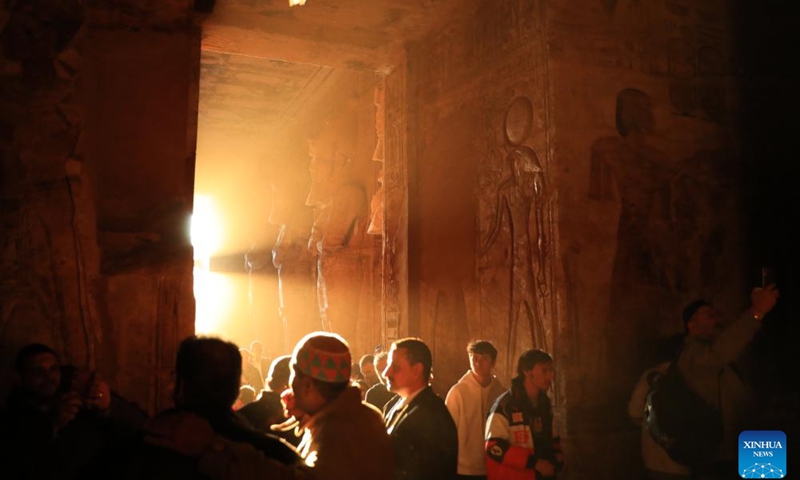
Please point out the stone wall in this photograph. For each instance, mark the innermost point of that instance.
(99, 121)
(482, 243)
(650, 177)
(649, 183)
(574, 181)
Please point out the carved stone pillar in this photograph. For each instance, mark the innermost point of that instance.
(395, 235)
(377, 204)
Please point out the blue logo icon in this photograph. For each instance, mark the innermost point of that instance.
(762, 454)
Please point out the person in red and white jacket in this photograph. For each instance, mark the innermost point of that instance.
(521, 440)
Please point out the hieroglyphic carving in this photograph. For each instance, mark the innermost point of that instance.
(465, 49)
(681, 39)
(522, 195)
(395, 246)
(377, 205)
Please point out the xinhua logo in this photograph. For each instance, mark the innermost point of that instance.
(762, 454)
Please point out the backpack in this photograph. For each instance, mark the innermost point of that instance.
(680, 421)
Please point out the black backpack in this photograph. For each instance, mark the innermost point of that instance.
(680, 421)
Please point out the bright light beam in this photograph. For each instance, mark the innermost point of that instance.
(205, 230)
(212, 291)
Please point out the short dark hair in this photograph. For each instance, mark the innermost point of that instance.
(482, 347)
(689, 311)
(29, 351)
(530, 359)
(418, 352)
(210, 370)
(365, 360)
(279, 372)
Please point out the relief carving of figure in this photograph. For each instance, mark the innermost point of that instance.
(642, 173)
(521, 200)
(376, 205)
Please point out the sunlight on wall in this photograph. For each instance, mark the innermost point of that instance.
(212, 291)
(212, 294)
(205, 230)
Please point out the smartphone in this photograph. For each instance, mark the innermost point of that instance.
(767, 276)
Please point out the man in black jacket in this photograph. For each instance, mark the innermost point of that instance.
(423, 433)
(207, 372)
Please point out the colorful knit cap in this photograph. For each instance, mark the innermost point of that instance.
(324, 356)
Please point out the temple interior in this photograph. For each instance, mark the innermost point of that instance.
(540, 174)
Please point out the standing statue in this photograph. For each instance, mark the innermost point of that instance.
(290, 256)
(340, 220)
(521, 199)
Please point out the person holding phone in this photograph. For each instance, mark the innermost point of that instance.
(56, 417)
(708, 362)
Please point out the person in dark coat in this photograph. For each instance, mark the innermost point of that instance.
(343, 438)
(206, 386)
(58, 417)
(378, 395)
(423, 433)
(250, 374)
(268, 409)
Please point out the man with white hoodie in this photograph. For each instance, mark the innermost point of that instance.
(469, 402)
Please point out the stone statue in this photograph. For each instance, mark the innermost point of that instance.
(340, 220)
(291, 258)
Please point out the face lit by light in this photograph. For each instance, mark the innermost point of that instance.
(481, 364)
(402, 378)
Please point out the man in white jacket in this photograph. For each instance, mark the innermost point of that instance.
(469, 402)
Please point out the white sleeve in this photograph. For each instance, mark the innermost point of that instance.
(639, 398)
(453, 403)
(497, 427)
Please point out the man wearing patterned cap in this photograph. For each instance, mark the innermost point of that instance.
(343, 437)
(346, 436)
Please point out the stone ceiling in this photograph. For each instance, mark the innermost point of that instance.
(269, 71)
(265, 63)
